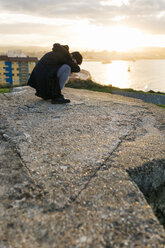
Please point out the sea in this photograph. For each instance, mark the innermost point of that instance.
(143, 75)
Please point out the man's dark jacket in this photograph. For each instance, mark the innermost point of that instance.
(44, 75)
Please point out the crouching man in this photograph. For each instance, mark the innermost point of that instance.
(51, 73)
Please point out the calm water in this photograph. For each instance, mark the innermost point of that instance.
(143, 75)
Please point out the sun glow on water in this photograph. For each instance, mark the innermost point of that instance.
(115, 73)
(139, 75)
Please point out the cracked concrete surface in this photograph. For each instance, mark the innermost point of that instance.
(63, 172)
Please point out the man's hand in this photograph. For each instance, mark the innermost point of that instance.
(74, 60)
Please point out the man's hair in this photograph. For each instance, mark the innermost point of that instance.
(78, 57)
(58, 47)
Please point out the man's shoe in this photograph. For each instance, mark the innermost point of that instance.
(60, 100)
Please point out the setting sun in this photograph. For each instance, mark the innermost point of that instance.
(118, 38)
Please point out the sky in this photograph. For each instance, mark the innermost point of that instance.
(85, 25)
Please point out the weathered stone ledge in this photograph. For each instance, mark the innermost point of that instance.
(70, 173)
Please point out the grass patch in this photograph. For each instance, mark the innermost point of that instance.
(89, 85)
(7, 88)
(4, 90)
(161, 105)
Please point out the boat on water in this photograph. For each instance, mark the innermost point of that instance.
(106, 61)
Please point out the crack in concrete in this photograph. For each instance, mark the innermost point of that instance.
(53, 208)
(36, 185)
(20, 161)
(123, 138)
(47, 207)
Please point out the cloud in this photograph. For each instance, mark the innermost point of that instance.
(51, 8)
(26, 34)
(147, 15)
(117, 3)
(26, 28)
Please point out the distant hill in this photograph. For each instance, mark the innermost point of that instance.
(134, 54)
(35, 51)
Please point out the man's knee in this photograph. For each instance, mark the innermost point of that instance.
(67, 68)
(64, 69)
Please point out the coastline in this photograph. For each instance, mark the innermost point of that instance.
(150, 96)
